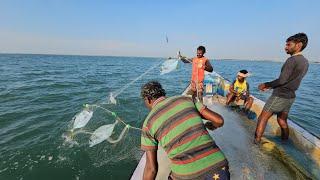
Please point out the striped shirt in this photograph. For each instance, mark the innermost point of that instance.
(176, 125)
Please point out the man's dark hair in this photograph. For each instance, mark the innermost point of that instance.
(202, 48)
(300, 37)
(244, 71)
(152, 90)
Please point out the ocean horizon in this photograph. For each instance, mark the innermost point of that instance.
(224, 59)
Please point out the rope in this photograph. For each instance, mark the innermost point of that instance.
(114, 115)
(127, 85)
(120, 136)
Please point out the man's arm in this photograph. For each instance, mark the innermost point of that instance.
(208, 66)
(248, 89)
(286, 72)
(216, 119)
(151, 168)
(185, 59)
(231, 88)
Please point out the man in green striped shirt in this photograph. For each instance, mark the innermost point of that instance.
(175, 124)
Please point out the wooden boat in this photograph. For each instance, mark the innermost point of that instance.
(297, 159)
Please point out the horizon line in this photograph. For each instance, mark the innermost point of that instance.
(226, 59)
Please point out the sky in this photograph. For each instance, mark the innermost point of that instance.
(238, 29)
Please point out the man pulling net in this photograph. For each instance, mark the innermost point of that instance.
(199, 64)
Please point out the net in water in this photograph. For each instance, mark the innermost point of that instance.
(169, 66)
(101, 134)
(81, 119)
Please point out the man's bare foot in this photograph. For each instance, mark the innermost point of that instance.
(257, 141)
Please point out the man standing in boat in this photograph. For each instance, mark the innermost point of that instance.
(199, 65)
(239, 89)
(175, 124)
(283, 96)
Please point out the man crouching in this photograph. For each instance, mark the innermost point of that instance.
(239, 89)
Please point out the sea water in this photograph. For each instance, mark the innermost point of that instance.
(40, 94)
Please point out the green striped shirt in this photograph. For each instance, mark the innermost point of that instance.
(176, 125)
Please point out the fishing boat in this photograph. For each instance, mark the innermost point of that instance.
(299, 158)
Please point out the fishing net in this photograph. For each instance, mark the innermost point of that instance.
(82, 118)
(169, 66)
(105, 136)
(102, 133)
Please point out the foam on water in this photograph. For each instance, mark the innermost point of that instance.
(112, 99)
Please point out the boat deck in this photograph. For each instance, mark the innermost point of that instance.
(246, 160)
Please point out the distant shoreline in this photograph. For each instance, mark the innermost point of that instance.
(217, 59)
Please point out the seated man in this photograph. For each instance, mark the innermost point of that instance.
(175, 124)
(239, 89)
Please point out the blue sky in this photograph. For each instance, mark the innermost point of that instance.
(247, 29)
